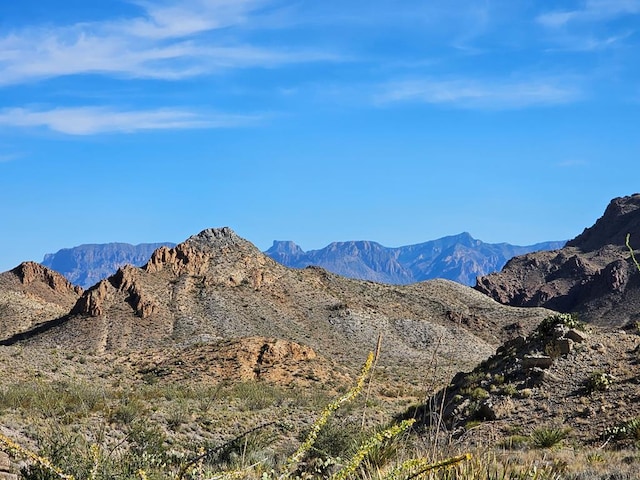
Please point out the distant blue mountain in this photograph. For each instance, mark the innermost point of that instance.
(458, 257)
(86, 265)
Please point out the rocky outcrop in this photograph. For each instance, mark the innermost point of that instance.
(32, 294)
(124, 281)
(560, 373)
(593, 275)
(621, 218)
(245, 359)
(30, 272)
(86, 265)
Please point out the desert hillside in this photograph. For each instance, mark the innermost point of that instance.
(593, 275)
(217, 286)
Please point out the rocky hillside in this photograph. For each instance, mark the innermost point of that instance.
(581, 381)
(592, 275)
(460, 258)
(217, 286)
(31, 294)
(86, 265)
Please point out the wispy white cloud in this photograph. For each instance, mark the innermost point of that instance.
(492, 94)
(170, 41)
(592, 11)
(180, 19)
(95, 120)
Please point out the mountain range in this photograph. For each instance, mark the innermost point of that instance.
(85, 265)
(460, 258)
(217, 285)
(215, 311)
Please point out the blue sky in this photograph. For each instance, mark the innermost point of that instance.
(400, 122)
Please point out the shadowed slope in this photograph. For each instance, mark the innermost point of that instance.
(593, 275)
(32, 294)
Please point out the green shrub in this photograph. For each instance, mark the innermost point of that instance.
(623, 431)
(547, 437)
(599, 382)
(548, 325)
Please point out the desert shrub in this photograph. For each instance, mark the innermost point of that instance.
(547, 437)
(514, 442)
(479, 393)
(509, 389)
(548, 325)
(256, 395)
(338, 438)
(623, 431)
(599, 382)
(127, 410)
(62, 400)
(62, 448)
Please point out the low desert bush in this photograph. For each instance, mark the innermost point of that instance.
(599, 382)
(547, 437)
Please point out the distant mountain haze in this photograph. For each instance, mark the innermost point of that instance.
(86, 265)
(460, 258)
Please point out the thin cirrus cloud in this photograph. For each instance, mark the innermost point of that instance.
(475, 94)
(7, 157)
(593, 11)
(95, 120)
(173, 41)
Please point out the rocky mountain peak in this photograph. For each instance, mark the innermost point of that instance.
(197, 254)
(215, 237)
(621, 217)
(286, 247)
(30, 272)
(593, 275)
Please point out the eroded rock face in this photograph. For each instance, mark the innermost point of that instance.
(245, 359)
(124, 281)
(219, 256)
(30, 295)
(592, 275)
(31, 272)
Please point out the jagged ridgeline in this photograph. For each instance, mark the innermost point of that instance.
(593, 275)
(86, 265)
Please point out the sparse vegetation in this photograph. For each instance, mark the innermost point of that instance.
(629, 430)
(599, 382)
(548, 325)
(547, 437)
